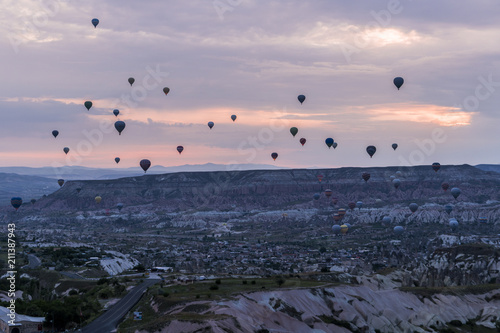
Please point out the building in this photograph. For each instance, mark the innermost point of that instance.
(22, 323)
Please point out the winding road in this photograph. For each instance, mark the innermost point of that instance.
(108, 321)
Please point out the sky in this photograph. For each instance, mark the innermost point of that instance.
(250, 58)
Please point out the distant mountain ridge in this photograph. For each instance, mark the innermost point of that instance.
(489, 167)
(85, 173)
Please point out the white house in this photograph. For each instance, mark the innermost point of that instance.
(21, 324)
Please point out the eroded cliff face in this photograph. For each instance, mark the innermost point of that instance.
(363, 308)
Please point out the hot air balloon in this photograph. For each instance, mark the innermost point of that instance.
(78, 189)
(371, 150)
(116, 112)
(320, 177)
(436, 166)
(33, 201)
(166, 90)
(329, 142)
(131, 80)
(117, 160)
(98, 199)
(60, 182)
(210, 124)
(294, 131)
(16, 202)
(344, 229)
(453, 224)
(413, 207)
(359, 204)
(120, 126)
(274, 156)
(335, 200)
(55, 133)
(334, 145)
(66, 150)
(351, 205)
(88, 104)
(145, 164)
(448, 209)
(455, 192)
(445, 186)
(398, 230)
(394, 146)
(301, 98)
(399, 174)
(386, 221)
(341, 212)
(365, 176)
(337, 217)
(302, 141)
(396, 182)
(483, 219)
(316, 196)
(119, 206)
(233, 117)
(336, 229)
(95, 22)
(398, 82)
(180, 149)
(328, 193)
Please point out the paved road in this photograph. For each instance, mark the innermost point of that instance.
(108, 321)
(34, 262)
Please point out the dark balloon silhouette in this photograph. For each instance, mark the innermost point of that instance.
(16, 202)
(413, 207)
(66, 150)
(329, 142)
(145, 164)
(274, 156)
(88, 104)
(95, 22)
(365, 176)
(371, 150)
(316, 196)
(302, 141)
(396, 182)
(120, 126)
(398, 82)
(455, 192)
(60, 182)
(117, 160)
(294, 131)
(233, 117)
(116, 112)
(180, 149)
(394, 146)
(131, 80)
(445, 186)
(166, 90)
(448, 209)
(436, 166)
(334, 145)
(328, 193)
(301, 98)
(398, 230)
(210, 124)
(55, 133)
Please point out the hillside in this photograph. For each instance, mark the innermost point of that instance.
(276, 189)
